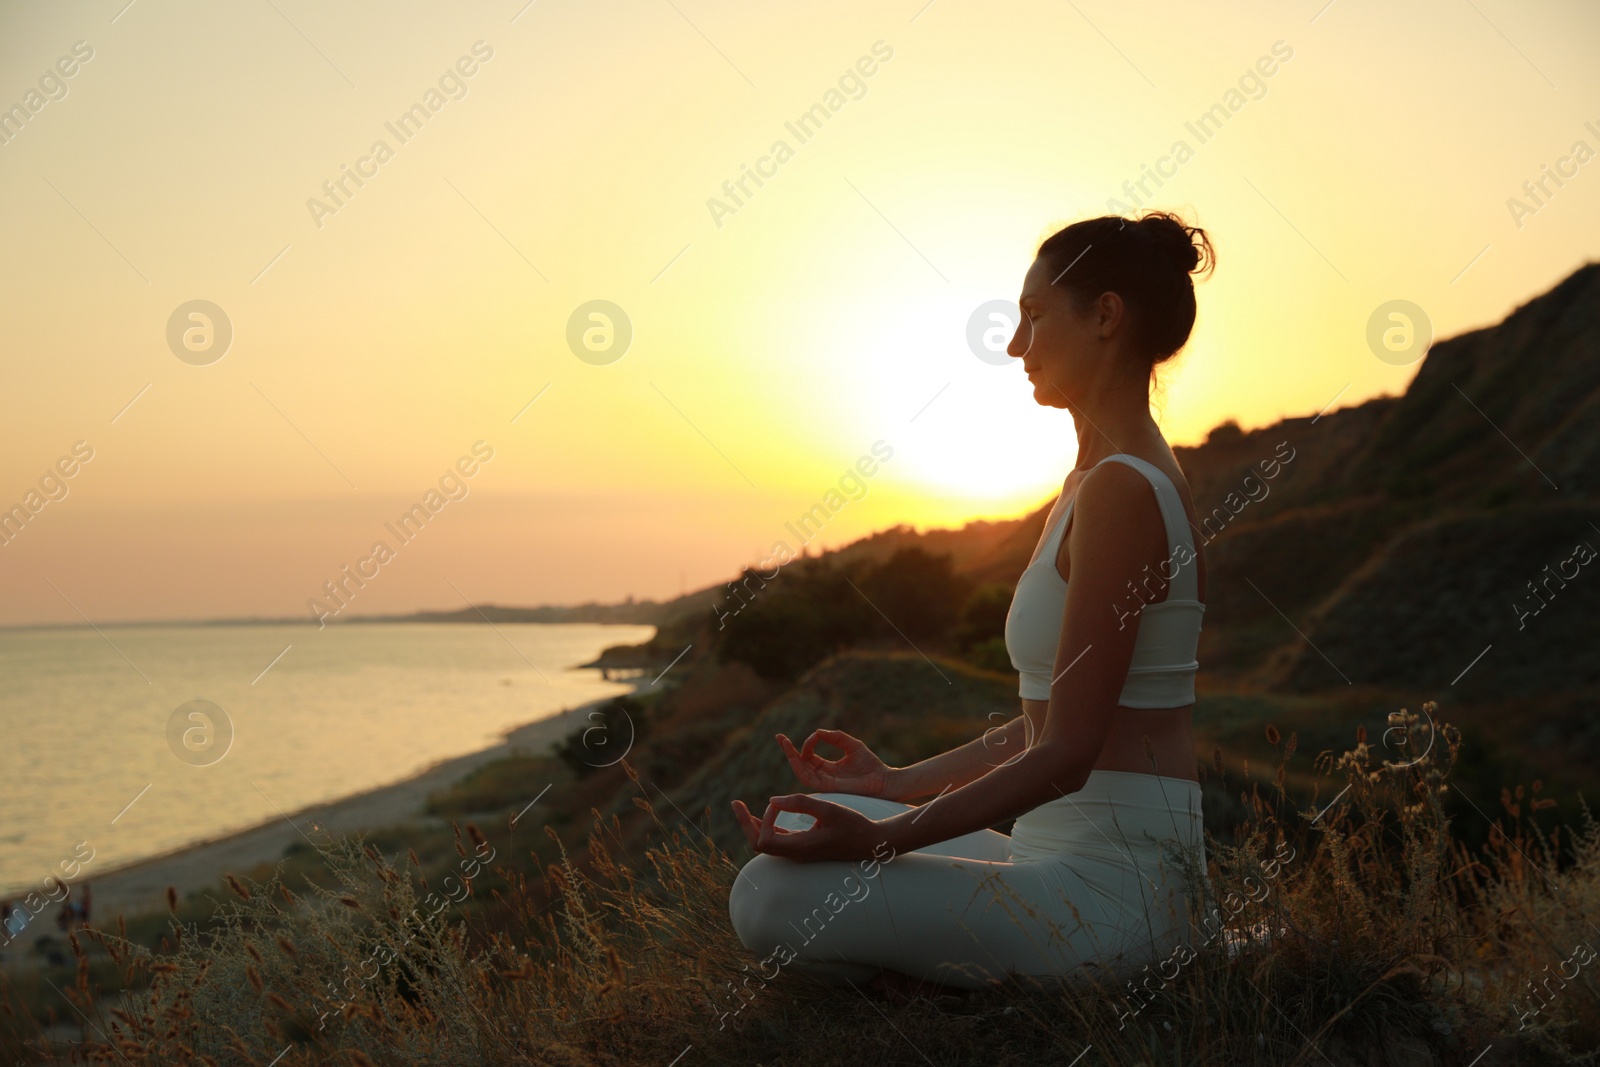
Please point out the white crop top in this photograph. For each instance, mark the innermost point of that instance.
(1162, 672)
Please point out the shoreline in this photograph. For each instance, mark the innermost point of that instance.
(140, 887)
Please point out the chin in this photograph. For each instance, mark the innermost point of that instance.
(1048, 396)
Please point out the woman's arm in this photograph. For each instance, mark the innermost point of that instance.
(1118, 530)
(955, 768)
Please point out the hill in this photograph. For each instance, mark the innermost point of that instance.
(1391, 542)
(1392, 553)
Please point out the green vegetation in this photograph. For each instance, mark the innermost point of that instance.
(812, 608)
(1428, 899)
(591, 927)
(498, 785)
(1348, 931)
(609, 732)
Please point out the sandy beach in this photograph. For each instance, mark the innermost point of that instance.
(142, 886)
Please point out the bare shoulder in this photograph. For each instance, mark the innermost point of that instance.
(1112, 500)
(1118, 491)
(1116, 485)
(1167, 463)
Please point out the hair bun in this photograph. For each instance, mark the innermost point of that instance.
(1177, 240)
(1148, 262)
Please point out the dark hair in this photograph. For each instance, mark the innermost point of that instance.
(1146, 261)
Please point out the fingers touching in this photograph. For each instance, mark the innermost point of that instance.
(837, 738)
(762, 832)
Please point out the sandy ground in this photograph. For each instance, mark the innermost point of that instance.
(142, 887)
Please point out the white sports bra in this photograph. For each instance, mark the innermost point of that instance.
(1162, 672)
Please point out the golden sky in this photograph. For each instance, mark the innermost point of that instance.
(561, 153)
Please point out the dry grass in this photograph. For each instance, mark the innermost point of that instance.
(1377, 939)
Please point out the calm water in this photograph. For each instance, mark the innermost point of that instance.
(346, 709)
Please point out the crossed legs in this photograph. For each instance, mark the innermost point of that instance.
(960, 912)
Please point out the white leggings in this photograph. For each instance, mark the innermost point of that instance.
(1083, 886)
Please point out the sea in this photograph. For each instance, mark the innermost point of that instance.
(138, 740)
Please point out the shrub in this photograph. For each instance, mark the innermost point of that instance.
(499, 784)
(915, 594)
(991, 655)
(612, 729)
(1355, 932)
(983, 618)
(795, 620)
(814, 608)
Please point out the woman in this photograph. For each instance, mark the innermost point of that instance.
(1099, 769)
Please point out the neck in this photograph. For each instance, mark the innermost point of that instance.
(1119, 421)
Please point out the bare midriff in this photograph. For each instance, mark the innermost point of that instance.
(1170, 731)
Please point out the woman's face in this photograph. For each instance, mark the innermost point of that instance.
(1067, 354)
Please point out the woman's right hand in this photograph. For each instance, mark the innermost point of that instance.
(859, 772)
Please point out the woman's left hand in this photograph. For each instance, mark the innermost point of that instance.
(840, 833)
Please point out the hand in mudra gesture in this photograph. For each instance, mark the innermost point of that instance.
(836, 832)
(859, 772)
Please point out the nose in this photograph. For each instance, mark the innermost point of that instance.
(1021, 339)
